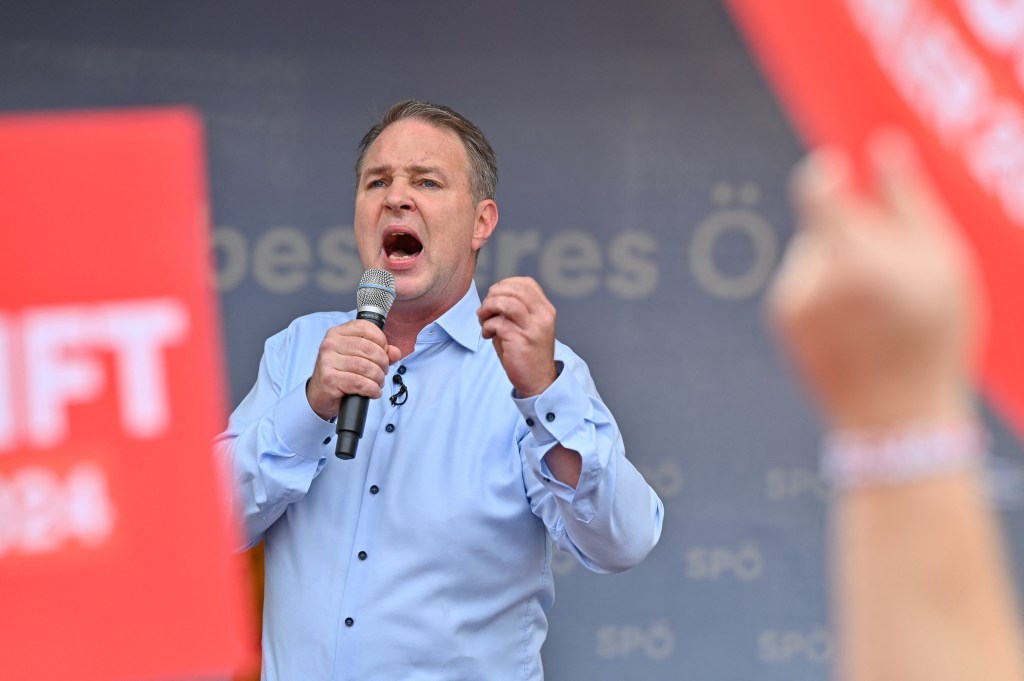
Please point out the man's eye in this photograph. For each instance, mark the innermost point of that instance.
(430, 184)
(376, 184)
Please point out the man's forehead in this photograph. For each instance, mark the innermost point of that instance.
(413, 142)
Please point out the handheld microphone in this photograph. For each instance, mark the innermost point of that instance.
(374, 297)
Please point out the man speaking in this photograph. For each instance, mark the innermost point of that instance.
(426, 555)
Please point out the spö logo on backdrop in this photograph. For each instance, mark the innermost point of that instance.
(570, 263)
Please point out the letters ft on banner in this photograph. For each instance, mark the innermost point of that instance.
(949, 72)
(115, 538)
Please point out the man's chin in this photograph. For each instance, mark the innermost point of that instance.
(405, 288)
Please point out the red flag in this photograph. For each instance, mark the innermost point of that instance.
(949, 72)
(115, 541)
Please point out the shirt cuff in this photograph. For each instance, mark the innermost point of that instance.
(553, 417)
(555, 413)
(300, 429)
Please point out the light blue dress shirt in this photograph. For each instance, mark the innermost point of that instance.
(426, 558)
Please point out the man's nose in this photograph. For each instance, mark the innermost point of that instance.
(398, 196)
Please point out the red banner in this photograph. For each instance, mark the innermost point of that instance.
(951, 73)
(115, 540)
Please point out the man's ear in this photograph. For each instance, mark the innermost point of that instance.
(486, 221)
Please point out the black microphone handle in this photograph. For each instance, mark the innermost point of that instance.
(352, 414)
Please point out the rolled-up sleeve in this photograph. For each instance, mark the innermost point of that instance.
(613, 518)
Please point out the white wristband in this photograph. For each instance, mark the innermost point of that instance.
(857, 459)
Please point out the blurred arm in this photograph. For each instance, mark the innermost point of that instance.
(875, 303)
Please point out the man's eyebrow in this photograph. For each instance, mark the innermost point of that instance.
(413, 169)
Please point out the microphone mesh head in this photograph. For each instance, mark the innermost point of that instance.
(376, 289)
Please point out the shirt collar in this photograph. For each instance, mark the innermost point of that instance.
(460, 321)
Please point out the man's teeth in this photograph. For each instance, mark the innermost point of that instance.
(394, 249)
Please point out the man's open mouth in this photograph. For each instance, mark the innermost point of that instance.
(401, 246)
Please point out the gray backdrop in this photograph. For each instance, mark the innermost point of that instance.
(643, 167)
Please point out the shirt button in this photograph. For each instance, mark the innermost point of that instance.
(550, 416)
(529, 422)
(362, 555)
(390, 427)
(327, 440)
(401, 369)
(374, 489)
(349, 621)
